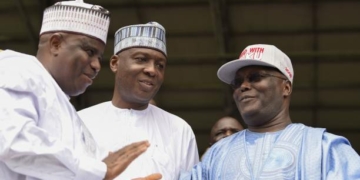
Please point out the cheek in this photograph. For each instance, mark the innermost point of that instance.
(124, 79)
(81, 64)
(217, 138)
(235, 95)
(269, 95)
(161, 77)
(264, 91)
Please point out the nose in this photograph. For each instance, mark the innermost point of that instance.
(245, 86)
(150, 69)
(95, 65)
(229, 132)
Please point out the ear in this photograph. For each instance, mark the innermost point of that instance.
(114, 62)
(55, 43)
(287, 88)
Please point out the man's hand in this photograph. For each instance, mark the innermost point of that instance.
(155, 176)
(118, 161)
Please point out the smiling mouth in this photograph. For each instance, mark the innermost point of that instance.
(147, 83)
(90, 76)
(246, 98)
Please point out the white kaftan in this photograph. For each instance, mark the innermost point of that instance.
(172, 142)
(41, 135)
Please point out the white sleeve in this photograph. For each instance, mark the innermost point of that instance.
(29, 150)
(190, 154)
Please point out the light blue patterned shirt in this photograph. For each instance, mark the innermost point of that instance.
(297, 152)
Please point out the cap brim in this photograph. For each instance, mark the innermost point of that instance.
(226, 72)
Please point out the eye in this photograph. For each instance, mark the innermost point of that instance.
(160, 66)
(234, 131)
(237, 82)
(255, 77)
(90, 52)
(140, 59)
(219, 133)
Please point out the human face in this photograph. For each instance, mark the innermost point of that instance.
(260, 100)
(223, 128)
(76, 62)
(139, 74)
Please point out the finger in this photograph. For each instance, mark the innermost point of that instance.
(127, 157)
(155, 176)
(118, 161)
(131, 147)
(133, 153)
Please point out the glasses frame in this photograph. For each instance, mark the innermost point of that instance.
(262, 75)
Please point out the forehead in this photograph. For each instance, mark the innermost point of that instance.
(145, 51)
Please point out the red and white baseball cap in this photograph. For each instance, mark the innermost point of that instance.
(257, 55)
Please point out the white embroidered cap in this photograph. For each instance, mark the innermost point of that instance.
(257, 55)
(150, 35)
(78, 17)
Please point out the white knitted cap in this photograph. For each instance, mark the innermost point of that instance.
(78, 17)
(150, 35)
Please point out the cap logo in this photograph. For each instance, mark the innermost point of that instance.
(252, 53)
(289, 72)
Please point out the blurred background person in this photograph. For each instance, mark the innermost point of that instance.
(222, 128)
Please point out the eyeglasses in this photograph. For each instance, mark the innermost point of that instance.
(252, 78)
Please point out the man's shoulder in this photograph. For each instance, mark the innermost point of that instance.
(21, 71)
(14, 55)
(19, 63)
(94, 109)
(333, 139)
(167, 116)
(318, 134)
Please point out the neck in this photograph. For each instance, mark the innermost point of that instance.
(276, 123)
(270, 127)
(124, 104)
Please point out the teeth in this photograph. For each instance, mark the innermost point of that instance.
(147, 83)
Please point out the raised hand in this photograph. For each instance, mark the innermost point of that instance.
(155, 176)
(119, 160)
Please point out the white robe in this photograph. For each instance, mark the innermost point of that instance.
(41, 135)
(173, 145)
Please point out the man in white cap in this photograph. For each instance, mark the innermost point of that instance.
(41, 135)
(272, 147)
(139, 63)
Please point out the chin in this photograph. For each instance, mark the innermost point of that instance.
(143, 100)
(76, 92)
(145, 96)
(245, 114)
